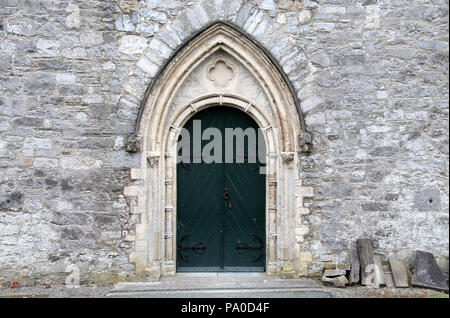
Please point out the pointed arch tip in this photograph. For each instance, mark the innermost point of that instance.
(226, 25)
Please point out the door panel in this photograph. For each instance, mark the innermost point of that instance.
(198, 224)
(221, 206)
(244, 224)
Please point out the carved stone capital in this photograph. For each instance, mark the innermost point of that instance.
(287, 156)
(305, 142)
(153, 158)
(133, 143)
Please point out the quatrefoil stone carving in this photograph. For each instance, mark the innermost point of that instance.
(221, 72)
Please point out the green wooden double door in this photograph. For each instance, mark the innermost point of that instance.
(220, 204)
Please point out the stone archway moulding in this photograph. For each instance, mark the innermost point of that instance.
(155, 236)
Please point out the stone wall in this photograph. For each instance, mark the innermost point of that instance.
(371, 76)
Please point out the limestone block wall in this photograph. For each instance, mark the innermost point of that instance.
(371, 77)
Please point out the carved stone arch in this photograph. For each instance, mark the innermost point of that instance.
(155, 237)
(225, 36)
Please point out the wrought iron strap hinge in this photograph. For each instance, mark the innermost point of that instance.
(244, 248)
(198, 248)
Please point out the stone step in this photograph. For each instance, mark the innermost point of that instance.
(225, 293)
(221, 287)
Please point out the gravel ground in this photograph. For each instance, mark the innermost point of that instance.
(61, 291)
(55, 291)
(365, 292)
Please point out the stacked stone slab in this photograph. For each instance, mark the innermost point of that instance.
(366, 260)
(335, 277)
(427, 273)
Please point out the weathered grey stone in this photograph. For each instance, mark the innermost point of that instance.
(375, 206)
(120, 159)
(341, 190)
(156, 16)
(169, 38)
(349, 59)
(383, 151)
(4, 125)
(369, 2)
(365, 254)
(310, 4)
(72, 233)
(310, 103)
(321, 59)
(268, 5)
(54, 64)
(375, 175)
(21, 26)
(11, 84)
(128, 5)
(38, 143)
(157, 46)
(72, 218)
(12, 107)
(35, 7)
(388, 277)
(305, 16)
(399, 273)
(47, 47)
(8, 6)
(146, 29)
(40, 81)
(106, 221)
(432, 45)
(427, 200)
(244, 14)
(91, 38)
(357, 176)
(80, 163)
(379, 278)
(12, 202)
(93, 99)
(66, 79)
(427, 272)
(5, 62)
(123, 23)
(355, 271)
(334, 272)
(46, 163)
(338, 281)
(132, 45)
(181, 28)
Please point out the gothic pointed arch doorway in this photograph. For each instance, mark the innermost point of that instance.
(220, 66)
